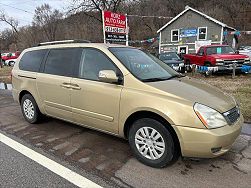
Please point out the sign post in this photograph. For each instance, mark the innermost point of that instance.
(115, 27)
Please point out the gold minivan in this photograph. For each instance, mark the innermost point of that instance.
(126, 92)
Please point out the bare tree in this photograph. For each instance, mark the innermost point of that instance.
(9, 20)
(48, 20)
(94, 8)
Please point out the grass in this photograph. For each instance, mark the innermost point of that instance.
(5, 74)
(239, 87)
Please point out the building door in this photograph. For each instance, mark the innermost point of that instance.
(183, 49)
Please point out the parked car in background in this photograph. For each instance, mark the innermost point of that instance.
(173, 60)
(10, 62)
(246, 50)
(10, 56)
(222, 56)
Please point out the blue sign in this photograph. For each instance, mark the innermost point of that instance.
(192, 32)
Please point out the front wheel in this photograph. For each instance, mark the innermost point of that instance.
(152, 143)
(11, 63)
(188, 67)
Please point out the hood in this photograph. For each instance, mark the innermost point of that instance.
(196, 91)
(229, 56)
(173, 61)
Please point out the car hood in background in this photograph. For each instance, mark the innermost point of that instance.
(196, 91)
(229, 56)
(173, 61)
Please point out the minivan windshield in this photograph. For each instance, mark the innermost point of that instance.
(143, 66)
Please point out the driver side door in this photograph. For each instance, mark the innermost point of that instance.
(200, 57)
(95, 103)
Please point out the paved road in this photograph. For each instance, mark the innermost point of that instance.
(19, 171)
(110, 158)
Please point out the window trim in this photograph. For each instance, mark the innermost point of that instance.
(121, 76)
(172, 35)
(72, 75)
(41, 63)
(198, 33)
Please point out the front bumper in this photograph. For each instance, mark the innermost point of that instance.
(202, 142)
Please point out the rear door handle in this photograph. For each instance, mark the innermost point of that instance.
(75, 86)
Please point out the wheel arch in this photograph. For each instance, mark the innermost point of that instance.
(207, 62)
(148, 114)
(22, 93)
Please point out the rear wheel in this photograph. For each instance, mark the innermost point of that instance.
(30, 109)
(152, 143)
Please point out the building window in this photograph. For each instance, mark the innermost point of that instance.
(202, 33)
(175, 35)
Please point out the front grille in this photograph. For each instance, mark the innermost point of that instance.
(232, 115)
(237, 61)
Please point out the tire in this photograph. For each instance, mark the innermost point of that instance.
(165, 142)
(11, 63)
(207, 64)
(30, 109)
(188, 66)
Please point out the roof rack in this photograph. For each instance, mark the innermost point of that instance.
(64, 42)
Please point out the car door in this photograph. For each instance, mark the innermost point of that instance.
(95, 103)
(54, 83)
(200, 57)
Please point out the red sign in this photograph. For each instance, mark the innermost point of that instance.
(114, 23)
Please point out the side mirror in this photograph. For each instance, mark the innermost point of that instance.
(237, 52)
(108, 76)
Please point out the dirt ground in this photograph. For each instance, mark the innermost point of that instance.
(5, 74)
(239, 87)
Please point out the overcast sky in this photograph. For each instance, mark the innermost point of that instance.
(23, 10)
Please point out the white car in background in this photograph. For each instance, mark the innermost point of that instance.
(246, 50)
(10, 62)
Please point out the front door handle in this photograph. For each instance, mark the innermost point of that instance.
(66, 85)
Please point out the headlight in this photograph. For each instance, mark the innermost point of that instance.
(209, 117)
(181, 65)
(219, 60)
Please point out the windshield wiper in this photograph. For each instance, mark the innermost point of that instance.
(162, 78)
(154, 79)
(176, 76)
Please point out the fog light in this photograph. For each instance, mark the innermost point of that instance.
(215, 150)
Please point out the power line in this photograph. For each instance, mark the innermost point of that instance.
(141, 16)
(17, 8)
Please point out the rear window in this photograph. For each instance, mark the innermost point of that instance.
(31, 60)
(63, 62)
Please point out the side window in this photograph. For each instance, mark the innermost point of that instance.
(201, 51)
(31, 60)
(202, 33)
(92, 62)
(63, 61)
(175, 35)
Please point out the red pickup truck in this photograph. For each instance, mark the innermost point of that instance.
(222, 56)
(10, 55)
